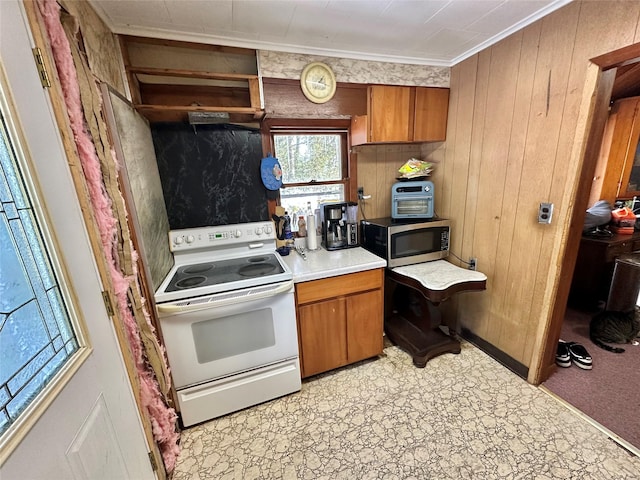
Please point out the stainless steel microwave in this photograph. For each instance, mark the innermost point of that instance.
(405, 242)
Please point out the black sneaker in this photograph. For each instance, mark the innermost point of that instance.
(563, 358)
(580, 356)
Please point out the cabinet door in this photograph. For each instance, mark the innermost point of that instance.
(430, 118)
(389, 114)
(631, 174)
(364, 325)
(323, 336)
(618, 152)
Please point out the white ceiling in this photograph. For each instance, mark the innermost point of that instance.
(423, 32)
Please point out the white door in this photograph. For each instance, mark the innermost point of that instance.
(91, 429)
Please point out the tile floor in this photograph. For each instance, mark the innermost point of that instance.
(462, 416)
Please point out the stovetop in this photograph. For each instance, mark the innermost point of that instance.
(224, 271)
(211, 260)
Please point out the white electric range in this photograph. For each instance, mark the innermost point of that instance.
(227, 315)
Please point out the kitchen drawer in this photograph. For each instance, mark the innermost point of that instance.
(617, 249)
(315, 290)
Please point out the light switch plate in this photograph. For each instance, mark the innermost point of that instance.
(545, 212)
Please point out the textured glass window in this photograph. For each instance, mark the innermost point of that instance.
(36, 336)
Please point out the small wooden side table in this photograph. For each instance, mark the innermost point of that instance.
(414, 319)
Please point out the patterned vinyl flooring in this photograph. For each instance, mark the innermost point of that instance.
(461, 417)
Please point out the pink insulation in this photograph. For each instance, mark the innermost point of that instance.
(163, 418)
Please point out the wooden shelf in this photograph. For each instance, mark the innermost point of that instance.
(168, 93)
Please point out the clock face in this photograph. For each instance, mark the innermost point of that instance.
(318, 82)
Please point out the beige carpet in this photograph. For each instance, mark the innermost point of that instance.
(462, 416)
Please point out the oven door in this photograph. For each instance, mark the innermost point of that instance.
(211, 337)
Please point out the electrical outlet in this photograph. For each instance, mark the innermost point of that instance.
(473, 263)
(360, 193)
(545, 212)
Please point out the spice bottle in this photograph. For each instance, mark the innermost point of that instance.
(302, 226)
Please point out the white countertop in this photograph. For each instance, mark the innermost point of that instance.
(439, 274)
(321, 263)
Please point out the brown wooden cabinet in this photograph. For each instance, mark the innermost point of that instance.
(402, 114)
(594, 267)
(340, 320)
(618, 171)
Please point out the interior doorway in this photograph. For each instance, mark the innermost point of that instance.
(617, 75)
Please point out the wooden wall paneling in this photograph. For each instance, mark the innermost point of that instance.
(377, 171)
(588, 43)
(366, 178)
(450, 199)
(547, 107)
(474, 233)
(386, 177)
(457, 154)
(590, 127)
(598, 189)
(284, 98)
(433, 152)
(380, 156)
(501, 97)
(549, 286)
(523, 60)
(443, 179)
(511, 326)
(489, 188)
(623, 22)
(377, 193)
(550, 73)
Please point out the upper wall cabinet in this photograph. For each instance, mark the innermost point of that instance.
(618, 171)
(402, 114)
(171, 80)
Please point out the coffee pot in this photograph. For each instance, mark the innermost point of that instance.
(339, 230)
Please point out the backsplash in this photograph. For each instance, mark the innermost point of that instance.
(378, 170)
(210, 174)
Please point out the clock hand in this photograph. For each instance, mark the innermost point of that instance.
(318, 85)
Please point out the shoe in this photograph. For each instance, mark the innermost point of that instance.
(563, 358)
(580, 356)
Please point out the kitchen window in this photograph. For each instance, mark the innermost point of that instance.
(315, 166)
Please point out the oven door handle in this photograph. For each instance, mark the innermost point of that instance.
(223, 299)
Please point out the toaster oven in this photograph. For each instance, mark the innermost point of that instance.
(412, 200)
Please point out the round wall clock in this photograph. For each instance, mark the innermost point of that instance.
(318, 82)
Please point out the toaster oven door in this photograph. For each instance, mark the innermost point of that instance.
(412, 206)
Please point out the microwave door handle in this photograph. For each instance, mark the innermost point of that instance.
(220, 300)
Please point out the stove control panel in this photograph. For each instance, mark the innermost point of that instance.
(220, 236)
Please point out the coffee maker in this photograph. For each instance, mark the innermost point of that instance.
(339, 225)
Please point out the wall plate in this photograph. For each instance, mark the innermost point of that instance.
(545, 212)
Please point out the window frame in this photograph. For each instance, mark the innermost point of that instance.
(28, 172)
(315, 126)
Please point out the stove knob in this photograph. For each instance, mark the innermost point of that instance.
(237, 233)
(178, 240)
(190, 238)
(268, 229)
(259, 231)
